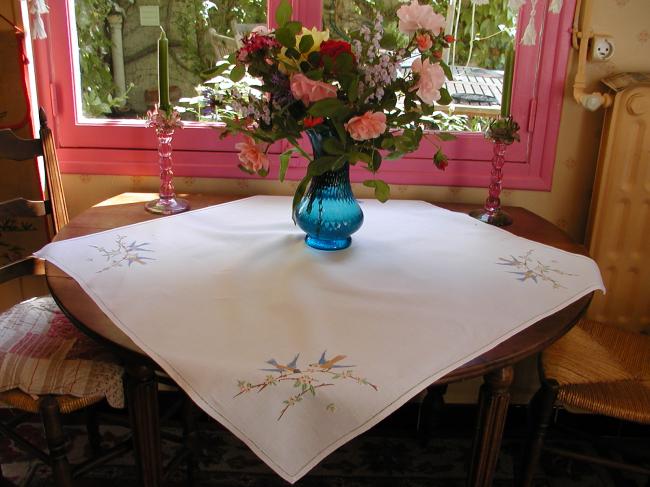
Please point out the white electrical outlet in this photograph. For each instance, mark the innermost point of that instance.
(602, 48)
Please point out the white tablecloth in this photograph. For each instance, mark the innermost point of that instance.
(297, 351)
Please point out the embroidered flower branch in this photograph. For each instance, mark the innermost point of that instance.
(124, 253)
(315, 376)
(527, 268)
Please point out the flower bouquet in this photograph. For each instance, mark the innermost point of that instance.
(361, 99)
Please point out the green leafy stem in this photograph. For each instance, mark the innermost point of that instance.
(305, 381)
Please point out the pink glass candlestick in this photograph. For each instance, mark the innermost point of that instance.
(167, 203)
(492, 212)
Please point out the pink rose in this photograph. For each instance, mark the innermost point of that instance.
(309, 90)
(370, 125)
(432, 78)
(415, 16)
(424, 42)
(251, 156)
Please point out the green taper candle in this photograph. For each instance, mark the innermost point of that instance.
(506, 97)
(163, 72)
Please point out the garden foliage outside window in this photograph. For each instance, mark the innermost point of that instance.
(102, 88)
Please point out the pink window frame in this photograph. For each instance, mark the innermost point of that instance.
(128, 147)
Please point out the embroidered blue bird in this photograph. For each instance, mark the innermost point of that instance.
(290, 367)
(327, 364)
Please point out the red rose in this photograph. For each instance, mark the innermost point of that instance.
(334, 48)
(309, 122)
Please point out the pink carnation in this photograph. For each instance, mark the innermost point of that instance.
(251, 156)
(370, 125)
(415, 16)
(309, 90)
(432, 78)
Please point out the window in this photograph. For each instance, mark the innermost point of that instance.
(120, 144)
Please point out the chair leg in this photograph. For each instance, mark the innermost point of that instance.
(542, 409)
(56, 441)
(429, 415)
(3, 481)
(92, 428)
(191, 440)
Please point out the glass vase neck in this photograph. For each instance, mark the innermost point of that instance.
(328, 212)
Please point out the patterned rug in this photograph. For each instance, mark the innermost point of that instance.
(384, 457)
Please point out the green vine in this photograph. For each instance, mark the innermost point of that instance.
(193, 18)
(494, 29)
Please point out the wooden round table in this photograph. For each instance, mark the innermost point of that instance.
(496, 365)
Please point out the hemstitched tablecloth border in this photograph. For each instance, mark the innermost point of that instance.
(297, 351)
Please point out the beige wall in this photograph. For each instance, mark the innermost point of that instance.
(566, 205)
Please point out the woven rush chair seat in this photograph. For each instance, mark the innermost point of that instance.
(597, 368)
(17, 399)
(602, 369)
(41, 352)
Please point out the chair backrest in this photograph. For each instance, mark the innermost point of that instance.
(18, 149)
(240, 30)
(221, 45)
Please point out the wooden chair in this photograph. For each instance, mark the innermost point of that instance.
(17, 149)
(597, 368)
(40, 349)
(240, 30)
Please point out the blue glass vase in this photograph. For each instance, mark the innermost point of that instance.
(328, 212)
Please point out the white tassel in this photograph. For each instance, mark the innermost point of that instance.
(515, 5)
(530, 34)
(36, 9)
(38, 27)
(555, 6)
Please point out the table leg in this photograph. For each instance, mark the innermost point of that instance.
(493, 408)
(430, 412)
(142, 397)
